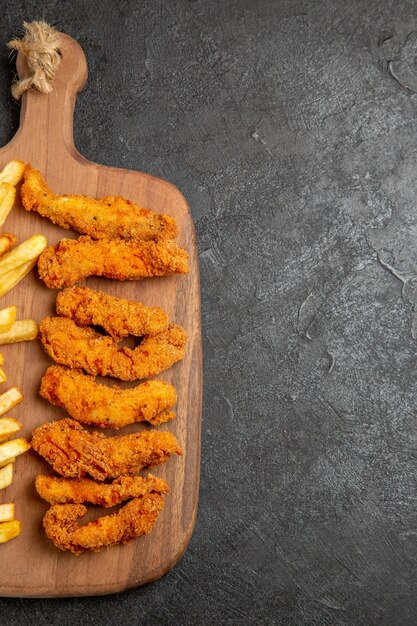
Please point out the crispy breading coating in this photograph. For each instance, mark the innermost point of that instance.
(105, 218)
(78, 490)
(118, 317)
(74, 452)
(107, 407)
(134, 519)
(68, 344)
(73, 260)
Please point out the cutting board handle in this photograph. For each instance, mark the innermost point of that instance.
(48, 118)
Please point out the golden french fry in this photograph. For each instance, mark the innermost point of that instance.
(6, 512)
(6, 476)
(7, 196)
(1, 358)
(12, 172)
(7, 318)
(7, 241)
(9, 462)
(3, 377)
(22, 330)
(12, 449)
(27, 251)
(9, 530)
(10, 280)
(9, 426)
(9, 399)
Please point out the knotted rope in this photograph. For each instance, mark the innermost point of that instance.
(39, 45)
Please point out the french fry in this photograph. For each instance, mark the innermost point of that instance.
(9, 426)
(12, 172)
(10, 280)
(3, 376)
(12, 449)
(6, 512)
(7, 196)
(6, 476)
(9, 530)
(7, 241)
(27, 251)
(22, 330)
(7, 318)
(9, 399)
(10, 461)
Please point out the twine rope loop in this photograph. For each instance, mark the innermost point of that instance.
(40, 46)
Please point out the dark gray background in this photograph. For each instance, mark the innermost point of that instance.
(296, 148)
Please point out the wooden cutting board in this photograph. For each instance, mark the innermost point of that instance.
(30, 565)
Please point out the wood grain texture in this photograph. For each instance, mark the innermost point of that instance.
(30, 565)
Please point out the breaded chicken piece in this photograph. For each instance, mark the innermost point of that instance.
(107, 407)
(134, 519)
(68, 344)
(74, 452)
(73, 260)
(118, 317)
(106, 218)
(77, 490)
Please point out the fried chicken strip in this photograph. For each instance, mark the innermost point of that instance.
(77, 490)
(68, 344)
(106, 218)
(118, 317)
(73, 260)
(134, 519)
(74, 452)
(107, 407)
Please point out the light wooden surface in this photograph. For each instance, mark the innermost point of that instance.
(30, 565)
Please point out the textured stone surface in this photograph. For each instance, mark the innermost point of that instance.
(295, 142)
